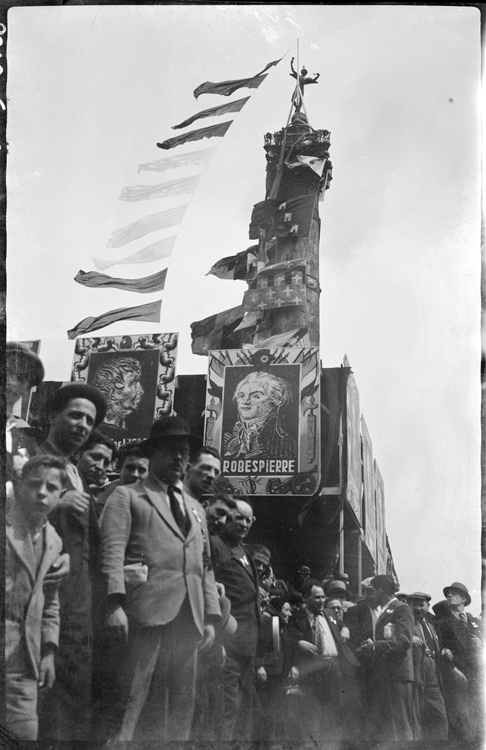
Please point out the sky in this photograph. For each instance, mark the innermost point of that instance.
(92, 89)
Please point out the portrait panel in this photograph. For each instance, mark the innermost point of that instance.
(136, 376)
(262, 414)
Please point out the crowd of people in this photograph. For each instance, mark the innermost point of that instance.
(135, 610)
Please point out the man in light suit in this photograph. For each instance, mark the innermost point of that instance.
(391, 665)
(160, 595)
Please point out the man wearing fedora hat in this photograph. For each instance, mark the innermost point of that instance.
(161, 598)
(75, 410)
(460, 641)
(429, 712)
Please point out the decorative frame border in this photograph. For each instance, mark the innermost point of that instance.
(161, 375)
(266, 474)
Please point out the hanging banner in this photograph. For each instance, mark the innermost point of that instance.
(353, 447)
(380, 521)
(262, 414)
(369, 506)
(136, 375)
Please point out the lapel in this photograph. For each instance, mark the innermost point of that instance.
(386, 614)
(49, 555)
(460, 631)
(247, 568)
(158, 498)
(21, 544)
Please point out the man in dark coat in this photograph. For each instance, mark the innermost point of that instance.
(317, 636)
(460, 641)
(235, 569)
(66, 713)
(391, 666)
(429, 713)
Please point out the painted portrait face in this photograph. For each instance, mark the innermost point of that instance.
(130, 393)
(253, 399)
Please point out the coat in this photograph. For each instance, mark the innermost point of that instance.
(300, 629)
(242, 589)
(418, 653)
(138, 527)
(31, 609)
(393, 654)
(458, 639)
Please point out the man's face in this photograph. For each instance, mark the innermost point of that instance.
(368, 596)
(456, 599)
(218, 515)
(133, 469)
(253, 400)
(94, 462)
(169, 460)
(262, 568)
(285, 612)
(130, 394)
(17, 384)
(375, 597)
(420, 607)
(240, 525)
(73, 425)
(40, 493)
(337, 607)
(201, 476)
(315, 600)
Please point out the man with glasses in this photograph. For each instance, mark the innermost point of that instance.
(236, 570)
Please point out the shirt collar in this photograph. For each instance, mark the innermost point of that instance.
(165, 485)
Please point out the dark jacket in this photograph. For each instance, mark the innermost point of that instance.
(242, 589)
(300, 629)
(392, 660)
(459, 638)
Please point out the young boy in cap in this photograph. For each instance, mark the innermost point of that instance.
(31, 605)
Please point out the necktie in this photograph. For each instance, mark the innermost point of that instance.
(177, 512)
(318, 636)
(463, 618)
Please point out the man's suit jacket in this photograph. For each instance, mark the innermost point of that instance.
(455, 636)
(418, 653)
(31, 609)
(138, 527)
(242, 589)
(360, 623)
(300, 629)
(393, 655)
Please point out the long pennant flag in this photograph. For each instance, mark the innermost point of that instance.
(240, 266)
(162, 190)
(149, 313)
(226, 88)
(151, 223)
(178, 160)
(292, 217)
(156, 251)
(212, 131)
(289, 339)
(223, 109)
(210, 333)
(280, 285)
(145, 285)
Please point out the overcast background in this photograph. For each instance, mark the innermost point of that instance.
(92, 89)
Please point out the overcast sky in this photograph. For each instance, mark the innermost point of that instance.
(91, 90)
